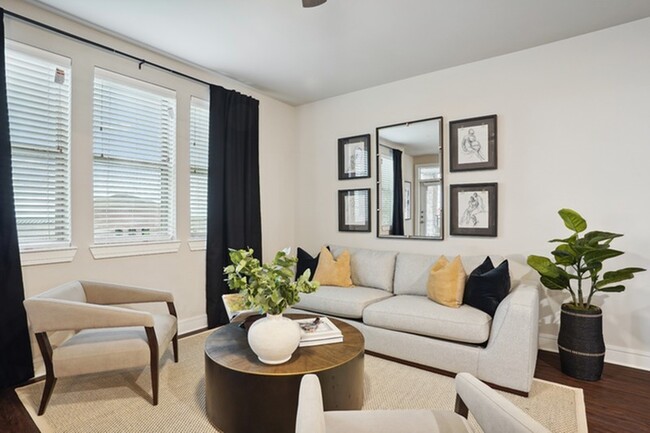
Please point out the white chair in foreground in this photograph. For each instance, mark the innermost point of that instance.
(493, 412)
(107, 337)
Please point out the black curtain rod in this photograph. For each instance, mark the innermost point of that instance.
(103, 47)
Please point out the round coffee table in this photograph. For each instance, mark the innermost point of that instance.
(243, 395)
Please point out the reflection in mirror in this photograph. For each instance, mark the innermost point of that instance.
(409, 184)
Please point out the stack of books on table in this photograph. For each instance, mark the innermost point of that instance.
(236, 308)
(319, 330)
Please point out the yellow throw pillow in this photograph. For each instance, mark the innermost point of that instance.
(446, 283)
(331, 272)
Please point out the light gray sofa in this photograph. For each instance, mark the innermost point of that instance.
(388, 304)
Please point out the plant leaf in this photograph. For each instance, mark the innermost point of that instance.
(565, 255)
(612, 289)
(554, 283)
(568, 240)
(600, 255)
(616, 276)
(544, 266)
(595, 237)
(573, 220)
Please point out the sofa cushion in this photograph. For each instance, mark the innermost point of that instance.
(306, 261)
(370, 268)
(333, 272)
(341, 301)
(412, 273)
(418, 315)
(104, 349)
(487, 286)
(446, 283)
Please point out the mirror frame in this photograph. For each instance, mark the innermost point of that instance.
(442, 182)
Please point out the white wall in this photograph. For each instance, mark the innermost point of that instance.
(573, 131)
(183, 272)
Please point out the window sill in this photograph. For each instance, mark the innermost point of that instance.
(129, 250)
(47, 256)
(197, 245)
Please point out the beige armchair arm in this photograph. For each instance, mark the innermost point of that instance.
(107, 294)
(46, 315)
(310, 417)
(493, 412)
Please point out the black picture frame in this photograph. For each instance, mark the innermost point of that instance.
(354, 157)
(354, 210)
(473, 209)
(468, 139)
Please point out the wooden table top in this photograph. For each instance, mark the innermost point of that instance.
(228, 347)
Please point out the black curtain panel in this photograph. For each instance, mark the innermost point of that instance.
(15, 350)
(234, 217)
(397, 228)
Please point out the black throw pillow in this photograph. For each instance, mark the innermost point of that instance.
(306, 261)
(487, 286)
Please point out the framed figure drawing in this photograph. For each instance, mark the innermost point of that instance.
(473, 144)
(354, 210)
(354, 157)
(473, 209)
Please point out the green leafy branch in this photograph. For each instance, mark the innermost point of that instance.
(583, 256)
(270, 287)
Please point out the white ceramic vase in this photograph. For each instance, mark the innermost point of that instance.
(274, 338)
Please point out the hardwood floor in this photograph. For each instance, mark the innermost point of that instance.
(618, 403)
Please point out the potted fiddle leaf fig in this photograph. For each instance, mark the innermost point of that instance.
(577, 267)
(271, 288)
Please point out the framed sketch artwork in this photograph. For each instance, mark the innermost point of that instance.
(354, 157)
(473, 144)
(473, 209)
(354, 210)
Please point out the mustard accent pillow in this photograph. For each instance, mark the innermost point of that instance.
(331, 272)
(446, 283)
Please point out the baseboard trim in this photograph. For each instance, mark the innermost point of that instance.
(614, 355)
(191, 324)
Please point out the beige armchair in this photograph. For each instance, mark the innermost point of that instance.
(107, 337)
(493, 412)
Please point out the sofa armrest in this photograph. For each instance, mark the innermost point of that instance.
(511, 352)
(310, 417)
(46, 315)
(108, 294)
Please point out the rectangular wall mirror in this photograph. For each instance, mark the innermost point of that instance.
(409, 180)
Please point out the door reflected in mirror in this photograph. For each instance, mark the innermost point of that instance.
(409, 183)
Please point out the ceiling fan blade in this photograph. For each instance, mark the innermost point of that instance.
(312, 3)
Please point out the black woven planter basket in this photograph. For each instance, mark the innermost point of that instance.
(581, 344)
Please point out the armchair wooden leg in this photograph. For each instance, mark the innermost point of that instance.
(461, 408)
(153, 350)
(175, 347)
(50, 380)
(172, 311)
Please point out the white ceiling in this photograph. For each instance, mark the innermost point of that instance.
(302, 55)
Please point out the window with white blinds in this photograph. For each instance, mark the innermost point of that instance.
(38, 96)
(199, 130)
(134, 134)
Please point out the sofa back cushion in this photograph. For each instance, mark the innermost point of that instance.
(370, 268)
(412, 271)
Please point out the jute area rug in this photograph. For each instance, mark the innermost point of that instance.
(119, 402)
